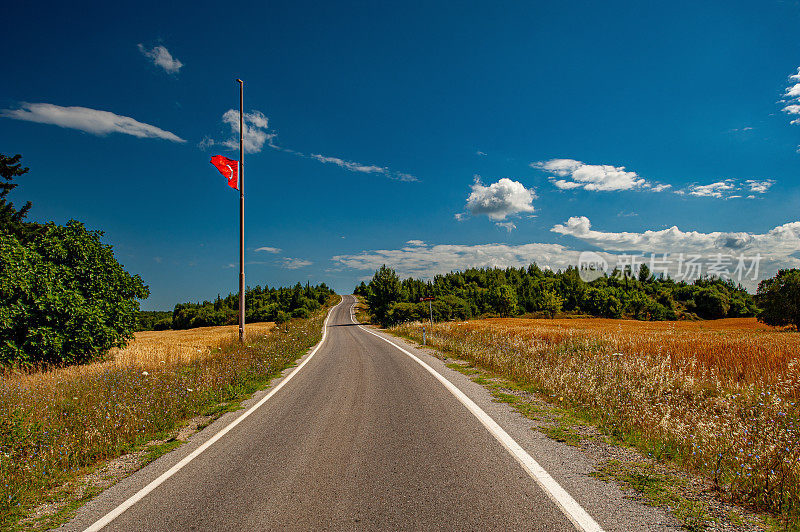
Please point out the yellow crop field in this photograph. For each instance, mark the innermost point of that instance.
(153, 348)
(719, 396)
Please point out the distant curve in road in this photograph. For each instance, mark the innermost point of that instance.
(362, 437)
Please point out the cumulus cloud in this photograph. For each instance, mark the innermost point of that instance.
(268, 249)
(256, 132)
(91, 121)
(712, 190)
(293, 264)
(777, 247)
(791, 97)
(500, 200)
(415, 243)
(759, 187)
(570, 174)
(161, 57)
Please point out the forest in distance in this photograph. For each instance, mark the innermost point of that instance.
(540, 292)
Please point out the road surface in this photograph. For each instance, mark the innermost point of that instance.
(362, 437)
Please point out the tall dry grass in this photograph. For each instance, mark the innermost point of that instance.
(720, 397)
(55, 424)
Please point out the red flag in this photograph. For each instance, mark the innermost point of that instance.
(229, 168)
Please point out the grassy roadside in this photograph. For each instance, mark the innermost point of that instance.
(57, 426)
(579, 385)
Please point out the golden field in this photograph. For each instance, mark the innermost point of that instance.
(719, 397)
(152, 348)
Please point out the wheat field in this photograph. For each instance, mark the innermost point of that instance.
(720, 397)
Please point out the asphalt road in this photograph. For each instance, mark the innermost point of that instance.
(362, 437)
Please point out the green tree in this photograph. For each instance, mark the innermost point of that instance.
(12, 220)
(551, 303)
(63, 297)
(712, 303)
(779, 298)
(504, 300)
(384, 289)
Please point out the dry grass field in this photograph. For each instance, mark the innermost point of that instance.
(152, 348)
(719, 397)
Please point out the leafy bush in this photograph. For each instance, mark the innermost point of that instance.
(63, 297)
(780, 298)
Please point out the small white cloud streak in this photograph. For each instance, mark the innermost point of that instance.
(294, 264)
(712, 190)
(161, 57)
(268, 249)
(363, 168)
(257, 133)
(85, 119)
(508, 226)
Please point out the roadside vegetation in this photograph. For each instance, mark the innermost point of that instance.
(58, 424)
(717, 397)
(64, 298)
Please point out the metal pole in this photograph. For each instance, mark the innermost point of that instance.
(241, 210)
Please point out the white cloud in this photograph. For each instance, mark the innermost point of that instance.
(759, 187)
(508, 226)
(501, 199)
(792, 95)
(660, 188)
(348, 165)
(415, 243)
(162, 58)
(777, 247)
(89, 120)
(480, 153)
(268, 249)
(363, 168)
(293, 264)
(256, 132)
(427, 261)
(595, 177)
(712, 190)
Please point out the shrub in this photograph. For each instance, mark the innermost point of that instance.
(63, 297)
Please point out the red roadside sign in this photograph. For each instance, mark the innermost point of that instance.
(427, 299)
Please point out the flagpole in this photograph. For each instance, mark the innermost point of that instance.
(241, 210)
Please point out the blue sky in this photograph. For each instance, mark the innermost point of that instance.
(426, 136)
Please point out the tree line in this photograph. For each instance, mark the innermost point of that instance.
(261, 304)
(533, 291)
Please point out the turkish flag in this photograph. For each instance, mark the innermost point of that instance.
(229, 168)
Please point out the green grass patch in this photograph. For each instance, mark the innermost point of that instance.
(658, 489)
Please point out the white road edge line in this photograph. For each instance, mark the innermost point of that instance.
(568, 506)
(139, 495)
